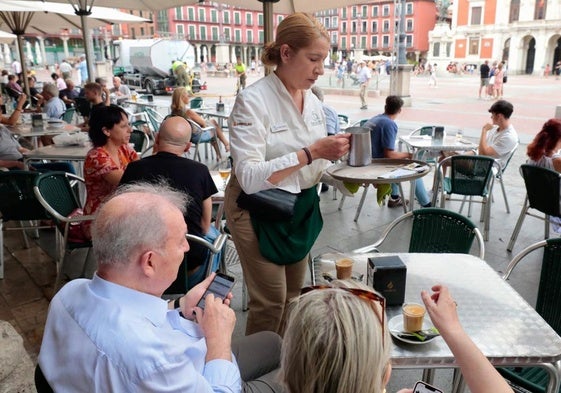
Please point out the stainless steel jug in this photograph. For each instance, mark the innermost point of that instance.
(361, 150)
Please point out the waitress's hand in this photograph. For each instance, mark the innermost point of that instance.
(332, 147)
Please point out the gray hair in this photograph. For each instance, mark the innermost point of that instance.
(333, 343)
(51, 89)
(118, 235)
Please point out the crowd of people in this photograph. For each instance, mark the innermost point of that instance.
(296, 340)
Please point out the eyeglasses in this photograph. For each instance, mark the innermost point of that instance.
(361, 293)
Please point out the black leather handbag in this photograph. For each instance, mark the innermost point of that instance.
(273, 204)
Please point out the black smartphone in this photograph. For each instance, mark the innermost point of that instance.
(220, 287)
(423, 387)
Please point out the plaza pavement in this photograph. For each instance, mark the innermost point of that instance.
(29, 274)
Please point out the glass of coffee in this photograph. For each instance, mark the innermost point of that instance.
(413, 314)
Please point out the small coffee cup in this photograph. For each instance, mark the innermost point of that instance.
(413, 314)
(344, 267)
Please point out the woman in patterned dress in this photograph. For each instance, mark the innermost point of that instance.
(105, 163)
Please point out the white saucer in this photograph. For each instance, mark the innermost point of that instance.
(396, 324)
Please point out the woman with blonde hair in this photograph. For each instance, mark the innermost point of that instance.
(180, 107)
(279, 141)
(337, 341)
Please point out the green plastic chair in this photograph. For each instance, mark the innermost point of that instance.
(18, 203)
(470, 176)
(542, 194)
(68, 115)
(548, 305)
(55, 192)
(195, 102)
(434, 230)
(154, 118)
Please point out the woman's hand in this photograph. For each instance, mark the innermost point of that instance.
(442, 310)
(332, 147)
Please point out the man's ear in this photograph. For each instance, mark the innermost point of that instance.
(187, 147)
(148, 263)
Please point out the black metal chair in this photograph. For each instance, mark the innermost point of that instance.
(542, 194)
(18, 203)
(548, 305)
(41, 383)
(180, 285)
(140, 140)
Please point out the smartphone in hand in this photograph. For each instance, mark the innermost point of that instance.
(220, 287)
(423, 387)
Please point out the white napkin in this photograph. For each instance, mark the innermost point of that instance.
(74, 139)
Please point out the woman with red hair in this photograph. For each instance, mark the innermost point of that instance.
(544, 149)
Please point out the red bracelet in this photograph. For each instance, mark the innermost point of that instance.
(308, 154)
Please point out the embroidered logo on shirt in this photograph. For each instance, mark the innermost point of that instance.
(316, 120)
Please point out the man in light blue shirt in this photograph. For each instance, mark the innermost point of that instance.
(114, 333)
(53, 106)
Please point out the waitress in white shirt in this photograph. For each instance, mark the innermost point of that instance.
(279, 140)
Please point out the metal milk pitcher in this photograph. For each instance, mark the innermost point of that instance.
(361, 150)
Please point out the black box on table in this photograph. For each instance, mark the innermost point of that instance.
(387, 275)
(438, 133)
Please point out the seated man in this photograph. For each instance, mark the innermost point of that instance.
(53, 106)
(93, 95)
(185, 175)
(11, 155)
(383, 133)
(114, 333)
(499, 137)
(69, 94)
(119, 92)
(105, 93)
(33, 92)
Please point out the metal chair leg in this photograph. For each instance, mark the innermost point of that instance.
(359, 208)
(341, 202)
(518, 225)
(504, 194)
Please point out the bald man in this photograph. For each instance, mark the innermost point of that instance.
(185, 175)
(114, 333)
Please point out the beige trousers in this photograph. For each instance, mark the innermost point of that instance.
(270, 286)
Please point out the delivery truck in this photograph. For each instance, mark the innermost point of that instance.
(145, 64)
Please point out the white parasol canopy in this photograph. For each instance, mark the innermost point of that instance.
(46, 17)
(6, 38)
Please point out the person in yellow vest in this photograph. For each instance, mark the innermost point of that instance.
(240, 73)
(179, 70)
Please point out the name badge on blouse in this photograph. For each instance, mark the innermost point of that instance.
(316, 120)
(279, 127)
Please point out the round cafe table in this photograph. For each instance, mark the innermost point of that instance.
(382, 171)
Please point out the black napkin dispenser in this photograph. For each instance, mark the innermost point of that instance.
(37, 120)
(438, 133)
(387, 275)
(219, 107)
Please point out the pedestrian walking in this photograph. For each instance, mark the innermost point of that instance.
(363, 77)
(484, 77)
